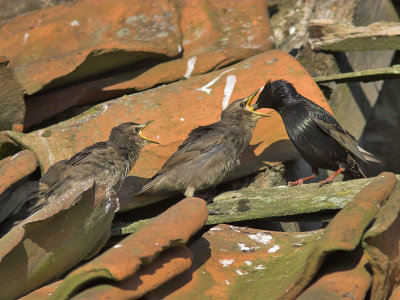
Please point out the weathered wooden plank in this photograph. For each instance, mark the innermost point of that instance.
(335, 36)
(364, 76)
(271, 202)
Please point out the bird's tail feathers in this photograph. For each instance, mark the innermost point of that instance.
(368, 156)
(150, 185)
(144, 189)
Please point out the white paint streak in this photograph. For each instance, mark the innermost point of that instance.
(226, 262)
(248, 262)
(226, 281)
(179, 48)
(273, 249)
(244, 248)
(105, 107)
(229, 86)
(216, 228)
(118, 246)
(206, 88)
(261, 238)
(259, 267)
(190, 66)
(14, 156)
(240, 273)
(26, 35)
(74, 23)
(46, 144)
(234, 228)
(182, 119)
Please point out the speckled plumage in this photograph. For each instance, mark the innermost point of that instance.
(108, 162)
(314, 132)
(208, 153)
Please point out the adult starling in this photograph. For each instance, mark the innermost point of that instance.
(108, 162)
(209, 152)
(314, 132)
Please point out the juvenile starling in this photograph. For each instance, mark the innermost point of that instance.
(108, 162)
(209, 152)
(314, 132)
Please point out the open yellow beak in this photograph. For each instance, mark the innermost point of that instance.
(142, 126)
(255, 106)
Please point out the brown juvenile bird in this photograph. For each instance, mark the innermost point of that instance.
(209, 152)
(314, 132)
(108, 162)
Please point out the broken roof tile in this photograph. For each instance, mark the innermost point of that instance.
(171, 228)
(112, 35)
(382, 247)
(240, 263)
(169, 264)
(344, 273)
(56, 238)
(345, 230)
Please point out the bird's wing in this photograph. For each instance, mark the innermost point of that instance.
(81, 157)
(54, 172)
(62, 176)
(199, 141)
(331, 127)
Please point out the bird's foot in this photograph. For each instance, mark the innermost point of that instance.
(330, 178)
(326, 181)
(295, 183)
(300, 181)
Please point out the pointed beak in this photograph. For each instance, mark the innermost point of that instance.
(144, 125)
(255, 106)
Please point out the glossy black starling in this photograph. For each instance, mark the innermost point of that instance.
(314, 132)
(108, 162)
(209, 152)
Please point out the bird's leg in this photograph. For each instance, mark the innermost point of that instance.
(189, 191)
(330, 178)
(300, 181)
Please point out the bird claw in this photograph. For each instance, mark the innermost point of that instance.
(329, 180)
(296, 183)
(300, 181)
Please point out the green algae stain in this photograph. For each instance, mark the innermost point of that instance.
(123, 32)
(46, 134)
(269, 278)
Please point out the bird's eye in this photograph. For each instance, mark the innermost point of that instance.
(137, 129)
(242, 104)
